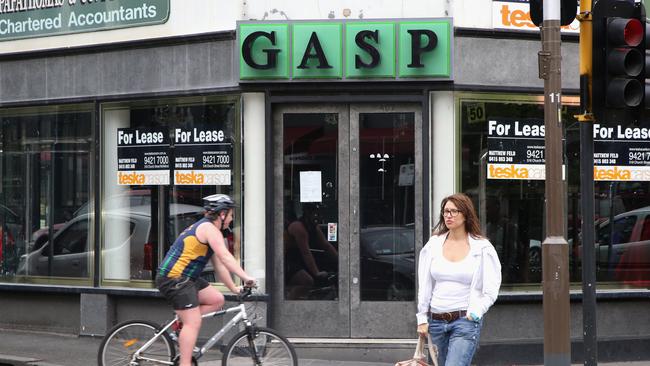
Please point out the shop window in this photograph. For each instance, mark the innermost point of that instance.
(511, 206)
(199, 157)
(510, 203)
(45, 164)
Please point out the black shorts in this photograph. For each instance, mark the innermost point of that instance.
(181, 292)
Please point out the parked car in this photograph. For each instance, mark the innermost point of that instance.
(128, 252)
(387, 263)
(131, 198)
(623, 250)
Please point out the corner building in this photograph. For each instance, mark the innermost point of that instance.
(348, 121)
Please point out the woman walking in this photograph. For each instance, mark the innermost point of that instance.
(459, 279)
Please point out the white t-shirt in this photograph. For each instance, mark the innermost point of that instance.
(453, 280)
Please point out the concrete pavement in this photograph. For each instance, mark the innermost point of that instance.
(22, 348)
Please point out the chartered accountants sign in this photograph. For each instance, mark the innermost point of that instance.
(345, 50)
(38, 18)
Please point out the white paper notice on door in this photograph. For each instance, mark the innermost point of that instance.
(310, 187)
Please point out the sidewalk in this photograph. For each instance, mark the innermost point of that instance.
(22, 348)
(48, 349)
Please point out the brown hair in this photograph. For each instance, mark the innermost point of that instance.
(466, 207)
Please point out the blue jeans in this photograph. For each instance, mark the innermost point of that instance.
(456, 341)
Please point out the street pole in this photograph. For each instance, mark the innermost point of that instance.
(586, 120)
(555, 248)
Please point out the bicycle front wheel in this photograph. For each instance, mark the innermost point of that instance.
(259, 344)
(120, 344)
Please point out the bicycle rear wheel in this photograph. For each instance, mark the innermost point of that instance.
(121, 342)
(270, 347)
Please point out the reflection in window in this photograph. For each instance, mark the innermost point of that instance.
(45, 156)
(511, 210)
(141, 222)
(310, 255)
(387, 195)
(623, 249)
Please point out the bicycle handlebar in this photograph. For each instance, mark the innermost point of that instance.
(246, 291)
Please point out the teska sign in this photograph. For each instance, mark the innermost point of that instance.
(380, 49)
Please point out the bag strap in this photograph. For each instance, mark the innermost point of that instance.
(419, 349)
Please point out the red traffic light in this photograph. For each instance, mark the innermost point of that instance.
(625, 32)
(620, 61)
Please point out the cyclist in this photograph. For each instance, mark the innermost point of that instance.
(178, 274)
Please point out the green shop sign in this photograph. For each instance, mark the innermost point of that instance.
(38, 18)
(380, 49)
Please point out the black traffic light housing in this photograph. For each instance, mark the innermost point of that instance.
(568, 10)
(618, 61)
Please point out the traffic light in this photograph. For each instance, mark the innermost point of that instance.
(618, 61)
(568, 10)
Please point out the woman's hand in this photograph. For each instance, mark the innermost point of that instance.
(423, 329)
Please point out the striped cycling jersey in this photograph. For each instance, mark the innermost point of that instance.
(187, 256)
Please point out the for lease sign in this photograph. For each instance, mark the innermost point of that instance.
(202, 156)
(621, 152)
(516, 149)
(142, 156)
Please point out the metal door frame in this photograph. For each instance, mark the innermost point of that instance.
(298, 311)
(355, 318)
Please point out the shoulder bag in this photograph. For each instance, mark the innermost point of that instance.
(419, 358)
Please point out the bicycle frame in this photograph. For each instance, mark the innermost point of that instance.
(240, 316)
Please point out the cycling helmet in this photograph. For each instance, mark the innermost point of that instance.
(218, 202)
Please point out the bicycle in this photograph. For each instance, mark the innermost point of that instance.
(141, 342)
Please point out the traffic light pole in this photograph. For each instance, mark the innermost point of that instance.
(586, 120)
(555, 249)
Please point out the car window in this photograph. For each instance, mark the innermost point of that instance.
(622, 232)
(117, 202)
(177, 223)
(72, 239)
(389, 242)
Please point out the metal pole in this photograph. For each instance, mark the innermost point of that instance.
(588, 255)
(587, 188)
(555, 248)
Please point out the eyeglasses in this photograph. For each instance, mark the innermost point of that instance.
(450, 212)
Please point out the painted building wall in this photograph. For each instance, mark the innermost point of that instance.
(204, 16)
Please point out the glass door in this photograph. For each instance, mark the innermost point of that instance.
(386, 212)
(347, 219)
(312, 195)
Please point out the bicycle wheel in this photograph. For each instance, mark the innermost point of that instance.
(121, 342)
(271, 348)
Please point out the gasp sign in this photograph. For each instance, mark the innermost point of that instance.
(422, 40)
(345, 49)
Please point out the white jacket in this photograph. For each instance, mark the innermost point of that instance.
(485, 282)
